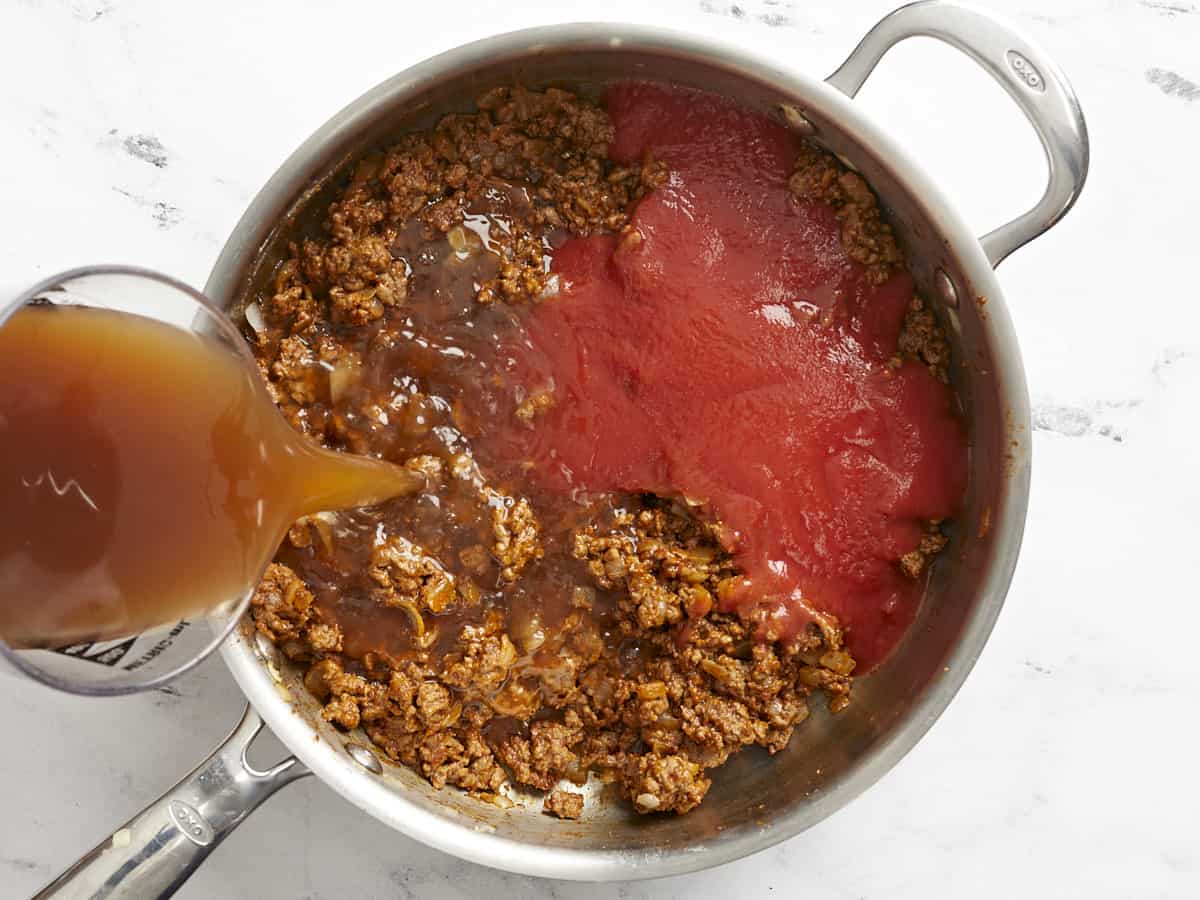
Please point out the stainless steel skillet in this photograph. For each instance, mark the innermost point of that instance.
(756, 800)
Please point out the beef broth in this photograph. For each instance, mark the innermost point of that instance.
(145, 475)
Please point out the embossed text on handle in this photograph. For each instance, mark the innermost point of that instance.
(1026, 72)
(193, 825)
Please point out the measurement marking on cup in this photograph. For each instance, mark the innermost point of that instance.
(193, 825)
(159, 647)
(1026, 71)
(106, 653)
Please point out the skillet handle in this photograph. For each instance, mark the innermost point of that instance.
(152, 854)
(1024, 70)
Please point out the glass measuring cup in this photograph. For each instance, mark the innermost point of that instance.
(145, 659)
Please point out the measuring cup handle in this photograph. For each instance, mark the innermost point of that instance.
(153, 853)
(1024, 70)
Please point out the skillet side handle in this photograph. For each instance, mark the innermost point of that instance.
(1028, 74)
(152, 854)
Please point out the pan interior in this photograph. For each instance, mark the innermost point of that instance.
(755, 798)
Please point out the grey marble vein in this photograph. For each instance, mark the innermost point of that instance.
(164, 214)
(88, 11)
(772, 13)
(1173, 84)
(17, 862)
(1170, 8)
(147, 148)
(1071, 421)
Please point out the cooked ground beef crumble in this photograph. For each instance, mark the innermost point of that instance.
(481, 632)
(564, 804)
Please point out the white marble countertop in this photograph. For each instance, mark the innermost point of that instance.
(137, 131)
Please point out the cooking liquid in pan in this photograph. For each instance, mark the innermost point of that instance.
(145, 475)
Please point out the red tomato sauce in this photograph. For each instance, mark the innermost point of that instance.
(737, 355)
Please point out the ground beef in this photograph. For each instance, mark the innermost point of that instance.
(867, 238)
(344, 693)
(407, 577)
(922, 339)
(477, 631)
(282, 604)
(655, 783)
(515, 533)
(284, 611)
(664, 562)
(295, 370)
(564, 804)
(551, 143)
(292, 301)
(544, 757)
(460, 758)
(914, 563)
(480, 661)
